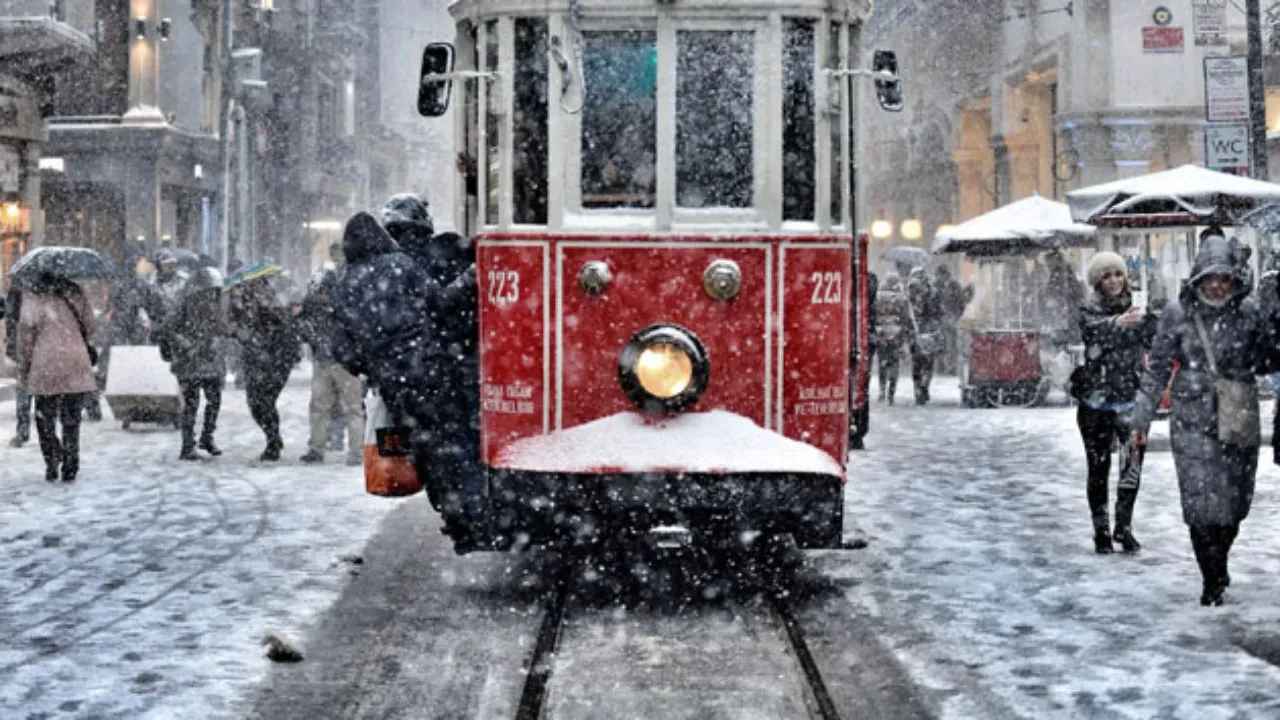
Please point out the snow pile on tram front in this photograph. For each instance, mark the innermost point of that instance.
(710, 442)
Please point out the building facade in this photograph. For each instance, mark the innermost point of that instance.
(37, 40)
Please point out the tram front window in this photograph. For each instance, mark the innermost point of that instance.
(620, 119)
(715, 83)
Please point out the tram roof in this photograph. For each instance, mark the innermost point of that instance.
(471, 9)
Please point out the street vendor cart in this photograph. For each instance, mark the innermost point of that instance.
(1008, 356)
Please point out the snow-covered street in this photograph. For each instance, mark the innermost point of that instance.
(144, 589)
(982, 576)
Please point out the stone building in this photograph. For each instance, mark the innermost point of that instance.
(37, 39)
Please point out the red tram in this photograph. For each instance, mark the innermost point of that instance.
(661, 201)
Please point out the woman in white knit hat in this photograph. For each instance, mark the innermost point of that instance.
(1116, 334)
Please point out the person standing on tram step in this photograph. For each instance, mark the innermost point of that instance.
(925, 337)
(55, 368)
(189, 342)
(1116, 335)
(449, 463)
(22, 399)
(269, 349)
(1221, 339)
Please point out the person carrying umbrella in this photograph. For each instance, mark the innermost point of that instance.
(55, 366)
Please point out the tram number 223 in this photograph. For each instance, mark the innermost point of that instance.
(826, 288)
(504, 287)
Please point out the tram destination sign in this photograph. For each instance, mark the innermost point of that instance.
(1226, 89)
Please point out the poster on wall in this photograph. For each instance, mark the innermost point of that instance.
(1209, 22)
(1226, 89)
(10, 175)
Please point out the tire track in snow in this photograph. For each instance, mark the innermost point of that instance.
(184, 540)
(128, 538)
(263, 509)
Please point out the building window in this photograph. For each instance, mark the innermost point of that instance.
(326, 110)
(837, 130)
(529, 141)
(715, 71)
(620, 119)
(492, 136)
(798, 158)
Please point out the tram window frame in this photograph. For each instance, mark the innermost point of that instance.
(838, 150)
(683, 153)
(531, 193)
(799, 142)
(491, 162)
(579, 143)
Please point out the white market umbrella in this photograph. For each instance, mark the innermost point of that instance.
(1188, 195)
(1032, 223)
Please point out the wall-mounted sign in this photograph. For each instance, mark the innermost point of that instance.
(1209, 21)
(10, 169)
(1162, 16)
(1226, 89)
(1156, 39)
(1226, 147)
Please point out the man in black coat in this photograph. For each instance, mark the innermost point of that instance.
(448, 259)
(926, 315)
(13, 305)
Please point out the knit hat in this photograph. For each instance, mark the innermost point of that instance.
(1101, 264)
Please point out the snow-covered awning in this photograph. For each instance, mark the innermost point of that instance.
(1188, 195)
(1028, 224)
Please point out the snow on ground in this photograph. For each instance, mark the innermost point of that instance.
(144, 589)
(982, 576)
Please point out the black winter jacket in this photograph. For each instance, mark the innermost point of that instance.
(13, 309)
(1113, 354)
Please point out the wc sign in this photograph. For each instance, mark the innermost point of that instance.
(1226, 147)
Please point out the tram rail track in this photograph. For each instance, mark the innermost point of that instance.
(540, 668)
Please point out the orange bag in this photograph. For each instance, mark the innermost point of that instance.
(388, 466)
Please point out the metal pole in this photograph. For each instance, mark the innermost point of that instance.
(1257, 90)
(222, 222)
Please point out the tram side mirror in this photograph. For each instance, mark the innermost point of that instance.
(884, 65)
(433, 91)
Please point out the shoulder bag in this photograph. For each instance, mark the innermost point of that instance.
(928, 343)
(1239, 422)
(84, 334)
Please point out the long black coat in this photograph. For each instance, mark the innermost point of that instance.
(384, 321)
(1216, 480)
(1113, 354)
(12, 312)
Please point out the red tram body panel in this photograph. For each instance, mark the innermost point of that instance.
(779, 351)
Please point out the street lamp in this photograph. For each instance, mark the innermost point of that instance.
(881, 229)
(911, 229)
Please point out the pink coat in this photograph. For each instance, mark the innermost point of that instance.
(52, 359)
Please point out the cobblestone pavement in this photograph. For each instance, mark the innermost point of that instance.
(144, 589)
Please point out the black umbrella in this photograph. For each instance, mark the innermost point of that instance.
(187, 259)
(73, 263)
(908, 255)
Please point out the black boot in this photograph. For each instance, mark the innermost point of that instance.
(1214, 595)
(188, 451)
(1102, 532)
(1128, 542)
(207, 445)
(272, 452)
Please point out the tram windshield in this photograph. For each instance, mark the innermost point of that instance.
(620, 119)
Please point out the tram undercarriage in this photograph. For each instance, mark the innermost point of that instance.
(546, 508)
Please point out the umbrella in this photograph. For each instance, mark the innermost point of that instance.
(257, 271)
(187, 260)
(73, 263)
(908, 255)
(1265, 219)
(1188, 195)
(1032, 223)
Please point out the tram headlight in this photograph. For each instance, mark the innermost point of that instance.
(664, 369)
